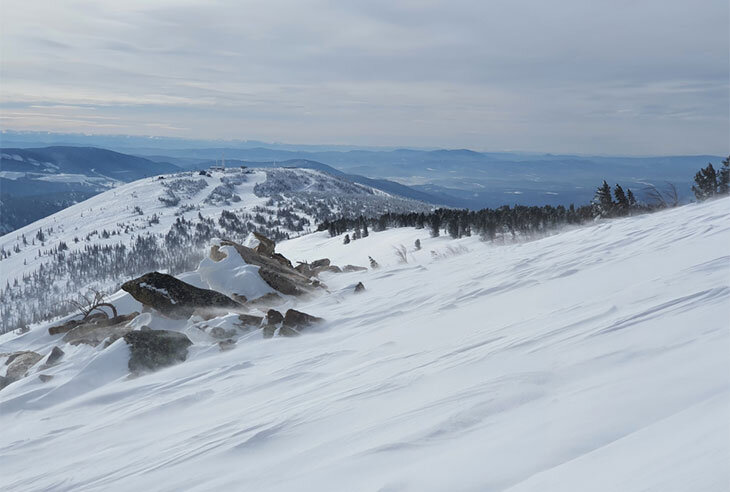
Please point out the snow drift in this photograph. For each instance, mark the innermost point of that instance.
(595, 359)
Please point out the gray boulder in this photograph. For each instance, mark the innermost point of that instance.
(221, 333)
(324, 262)
(95, 333)
(154, 349)
(19, 364)
(174, 298)
(273, 320)
(353, 268)
(359, 287)
(297, 319)
(53, 358)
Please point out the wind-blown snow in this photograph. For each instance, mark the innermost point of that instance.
(595, 359)
(232, 275)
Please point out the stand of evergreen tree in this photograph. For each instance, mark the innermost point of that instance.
(709, 182)
(506, 220)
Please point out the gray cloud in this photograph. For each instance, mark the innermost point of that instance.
(578, 75)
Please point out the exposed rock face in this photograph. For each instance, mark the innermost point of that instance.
(19, 364)
(359, 287)
(324, 262)
(71, 324)
(55, 356)
(304, 268)
(95, 333)
(279, 276)
(216, 254)
(273, 319)
(45, 377)
(353, 268)
(280, 282)
(281, 259)
(299, 320)
(154, 349)
(266, 246)
(174, 298)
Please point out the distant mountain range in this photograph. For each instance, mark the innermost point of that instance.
(468, 179)
(37, 182)
(456, 178)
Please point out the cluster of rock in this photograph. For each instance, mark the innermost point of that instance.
(20, 363)
(176, 299)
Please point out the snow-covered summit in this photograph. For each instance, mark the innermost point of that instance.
(166, 223)
(594, 359)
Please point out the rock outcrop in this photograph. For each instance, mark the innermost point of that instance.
(73, 323)
(324, 265)
(18, 365)
(54, 357)
(154, 349)
(96, 332)
(359, 288)
(297, 319)
(279, 276)
(324, 262)
(273, 320)
(174, 298)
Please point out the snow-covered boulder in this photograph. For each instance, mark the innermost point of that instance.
(279, 276)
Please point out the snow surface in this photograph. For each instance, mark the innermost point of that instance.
(595, 359)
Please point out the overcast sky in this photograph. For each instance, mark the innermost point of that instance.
(587, 76)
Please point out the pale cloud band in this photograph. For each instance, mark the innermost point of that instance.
(645, 77)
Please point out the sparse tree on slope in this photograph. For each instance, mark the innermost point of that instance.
(723, 184)
(631, 198)
(706, 183)
(622, 201)
(602, 200)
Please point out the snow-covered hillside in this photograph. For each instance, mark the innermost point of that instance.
(166, 223)
(595, 359)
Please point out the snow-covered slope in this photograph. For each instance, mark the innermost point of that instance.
(596, 359)
(166, 223)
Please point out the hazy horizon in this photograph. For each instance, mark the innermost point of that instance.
(65, 138)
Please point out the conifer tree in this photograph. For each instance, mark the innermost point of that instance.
(435, 224)
(706, 183)
(723, 181)
(603, 201)
(631, 198)
(622, 202)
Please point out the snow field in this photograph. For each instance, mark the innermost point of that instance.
(595, 359)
